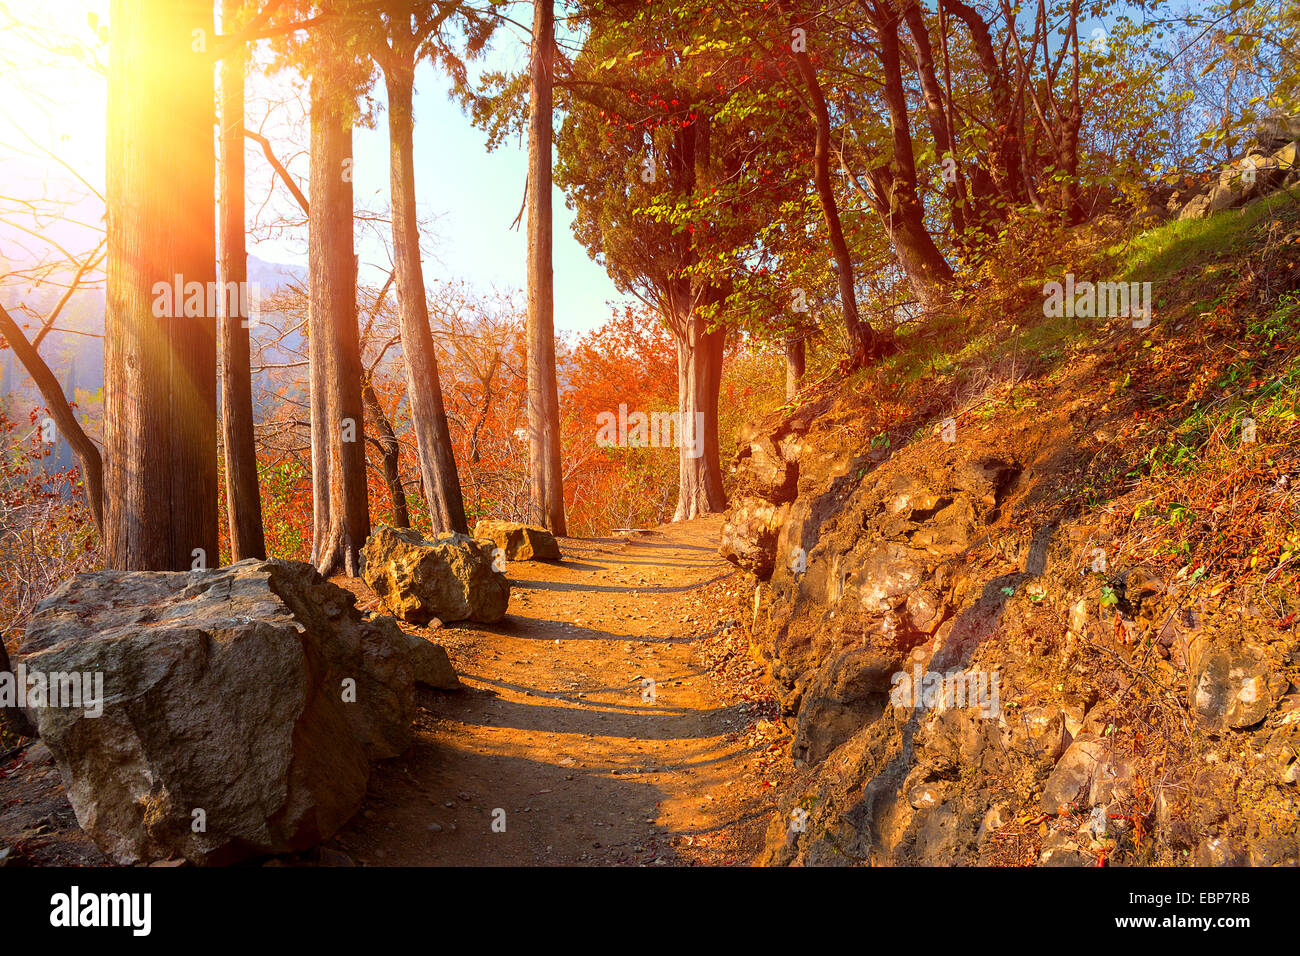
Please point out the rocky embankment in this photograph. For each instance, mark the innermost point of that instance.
(977, 665)
(1270, 162)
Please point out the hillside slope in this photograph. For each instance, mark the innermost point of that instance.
(1089, 526)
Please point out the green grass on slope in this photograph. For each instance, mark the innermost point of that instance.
(1173, 246)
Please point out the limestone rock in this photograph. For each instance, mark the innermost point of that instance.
(1278, 130)
(519, 542)
(1042, 730)
(1198, 207)
(249, 698)
(1246, 178)
(851, 690)
(1219, 851)
(888, 571)
(431, 665)
(1231, 683)
(750, 534)
(1059, 849)
(451, 578)
(775, 469)
(1075, 772)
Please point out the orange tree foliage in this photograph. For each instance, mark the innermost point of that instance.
(46, 533)
(629, 360)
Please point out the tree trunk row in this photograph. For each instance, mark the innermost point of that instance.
(339, 492)
(428, 415)
(546, 484)
(160, 415)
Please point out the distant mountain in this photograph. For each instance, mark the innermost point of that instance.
(74, 349)
(273, 276)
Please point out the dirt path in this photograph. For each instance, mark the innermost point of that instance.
(561, 728)
(558, 726)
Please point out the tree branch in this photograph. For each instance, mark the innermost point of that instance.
(92, 465)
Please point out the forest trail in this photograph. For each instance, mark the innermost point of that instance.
(559, 726)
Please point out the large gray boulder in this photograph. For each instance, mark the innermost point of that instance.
(238, 713)
(451, 578)
(519, 542)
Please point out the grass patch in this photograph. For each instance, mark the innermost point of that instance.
(1175, 245)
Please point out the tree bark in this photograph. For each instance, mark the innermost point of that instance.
(864, 342)
(546, 482)
(92, 466)
(334, 346)
(390, 456)
(428, 414)
(699, 379)
(1068, 157)
(1005, 176)
(937, 114)
(894, 184)
(319, 351)
(160, 422)
(243, 501)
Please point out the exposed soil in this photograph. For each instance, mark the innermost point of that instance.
(561, 729)
(559, 726)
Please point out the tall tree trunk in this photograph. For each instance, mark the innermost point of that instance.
(546, 478)
(428, 414)
(92, 466)
(319, 345)
(937, 115)
(334, 348)
(390, 456)
(318, 384)
(894, 185)
(699, 351)
(1073, 122)
(1005, 176)
(160, 371)
(243, 501)
(699, 379)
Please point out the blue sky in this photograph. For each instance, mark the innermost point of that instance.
(474, 196)
(53, 106)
